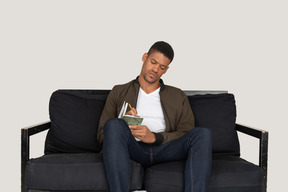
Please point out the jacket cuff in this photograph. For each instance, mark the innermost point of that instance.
(159, 139)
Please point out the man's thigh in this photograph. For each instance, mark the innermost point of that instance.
(171, 151)
(140, 152)
(177, 149)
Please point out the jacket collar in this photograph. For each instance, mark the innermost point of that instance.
(162, 85)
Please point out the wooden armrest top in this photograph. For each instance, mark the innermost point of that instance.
(251, 131)
(34, 129)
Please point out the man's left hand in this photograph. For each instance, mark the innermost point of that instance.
(143, 133)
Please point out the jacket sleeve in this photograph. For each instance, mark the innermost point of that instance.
(109, 111)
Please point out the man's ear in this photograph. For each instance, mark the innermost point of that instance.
(144, 57)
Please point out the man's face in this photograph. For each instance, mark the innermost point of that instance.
(154, 66)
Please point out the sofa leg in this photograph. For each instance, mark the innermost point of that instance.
(24, 156)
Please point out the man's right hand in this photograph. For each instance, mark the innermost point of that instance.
(132, 112)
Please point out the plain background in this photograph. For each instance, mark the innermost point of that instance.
(239, 46)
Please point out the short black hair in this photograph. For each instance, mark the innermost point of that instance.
(163, 48)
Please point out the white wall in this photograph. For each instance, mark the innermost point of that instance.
(239, 46)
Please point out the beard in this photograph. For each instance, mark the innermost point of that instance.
(147, 77)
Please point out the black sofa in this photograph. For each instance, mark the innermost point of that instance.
(73, 159)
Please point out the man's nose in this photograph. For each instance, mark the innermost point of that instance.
(156, 68)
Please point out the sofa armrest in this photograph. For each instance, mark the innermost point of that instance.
(25, 146)
(262, 135)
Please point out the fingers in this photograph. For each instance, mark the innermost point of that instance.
(143, 133)
(137, 131)
(132, 112)
(136, 127)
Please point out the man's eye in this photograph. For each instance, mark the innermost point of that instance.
(153, 62)
(163, 67)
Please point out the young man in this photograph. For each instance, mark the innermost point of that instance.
(167, 132)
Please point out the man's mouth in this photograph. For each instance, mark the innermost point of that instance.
(154, 75)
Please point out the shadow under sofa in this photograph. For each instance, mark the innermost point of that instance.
(73, 162)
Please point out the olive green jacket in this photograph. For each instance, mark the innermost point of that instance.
(179, 118)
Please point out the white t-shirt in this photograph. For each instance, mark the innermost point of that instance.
(149, 107)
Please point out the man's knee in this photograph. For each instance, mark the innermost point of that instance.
(202, 134)
(114, 126)
(114, 122)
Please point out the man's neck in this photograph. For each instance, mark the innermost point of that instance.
(146, 86)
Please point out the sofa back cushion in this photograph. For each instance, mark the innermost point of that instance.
(75, 115)
(218, 113)
(74, 119)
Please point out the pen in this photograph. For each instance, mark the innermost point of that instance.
(129, 105)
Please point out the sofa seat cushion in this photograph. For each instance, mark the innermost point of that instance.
(229, 174)
(82, 171)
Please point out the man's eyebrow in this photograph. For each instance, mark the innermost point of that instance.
(155, 60)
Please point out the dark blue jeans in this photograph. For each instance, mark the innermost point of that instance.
(119, 146)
